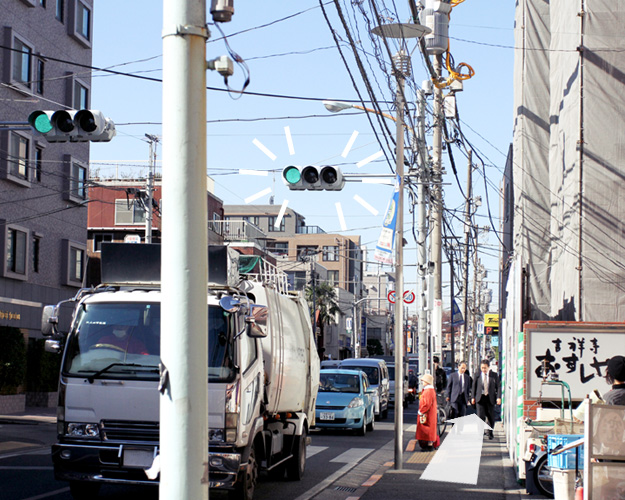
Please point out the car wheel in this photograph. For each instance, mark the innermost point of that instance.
(542, 477)
(296, 466)
(362, 430)
(371, 426)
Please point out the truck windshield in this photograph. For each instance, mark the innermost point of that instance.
(122, 341)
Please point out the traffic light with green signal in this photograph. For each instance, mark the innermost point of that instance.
(313, 178)
(72, 125)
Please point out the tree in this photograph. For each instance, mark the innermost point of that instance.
(323, 303)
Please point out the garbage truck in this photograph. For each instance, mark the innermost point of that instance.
(263, 375)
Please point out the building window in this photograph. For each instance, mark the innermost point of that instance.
(40, 76)
(333, 278)
(74, 258)
(78, 182)
(19, 156)
(331, 253)
(36, 248)
(279, 248)
(76, 263)
(98, 239)
(22, 61)
(16, 251)
(38, 163)
(42, 3)
(307, 252)
(83, 21)
(272, 224)
(216, 226)
(60, 10)
(81, 96)
(129, 212)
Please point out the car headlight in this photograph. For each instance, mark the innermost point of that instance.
(356, 402)
(75, 429)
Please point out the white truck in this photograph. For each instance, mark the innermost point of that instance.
(262, 384)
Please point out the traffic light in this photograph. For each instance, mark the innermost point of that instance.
(72, 125)
(313, 178)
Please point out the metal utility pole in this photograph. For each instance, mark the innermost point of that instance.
(184, 270)
(467, 235)
(153, 140)
(401, 67)
(437, 209)
(422, 235)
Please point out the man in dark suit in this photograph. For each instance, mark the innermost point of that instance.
(459, 391)
(486, 394)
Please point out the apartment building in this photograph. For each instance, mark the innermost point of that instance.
(43, 186)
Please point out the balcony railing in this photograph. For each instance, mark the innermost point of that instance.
(236, 230)
(310, 230)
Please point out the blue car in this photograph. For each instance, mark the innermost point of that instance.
(345, 401)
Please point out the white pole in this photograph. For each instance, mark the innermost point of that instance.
(399, 272)
(184, 270)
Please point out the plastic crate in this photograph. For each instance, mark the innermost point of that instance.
(564, 460)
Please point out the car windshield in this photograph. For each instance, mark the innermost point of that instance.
(391, 373)
(122, 341)
(371, 371)
(338, 382)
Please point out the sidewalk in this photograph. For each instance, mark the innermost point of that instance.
(496, 479)
(32, 429)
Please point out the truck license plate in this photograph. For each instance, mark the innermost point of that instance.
(326, 416)
(138, 457)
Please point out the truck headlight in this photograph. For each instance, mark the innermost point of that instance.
(216, 435)
(75, 429)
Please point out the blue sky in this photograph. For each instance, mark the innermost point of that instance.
(298, 57)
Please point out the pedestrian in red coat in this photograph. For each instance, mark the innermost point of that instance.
(427, 433)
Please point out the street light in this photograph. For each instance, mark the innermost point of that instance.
(400, 68)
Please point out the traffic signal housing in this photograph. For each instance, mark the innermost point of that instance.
(72, 125)
(313, 178)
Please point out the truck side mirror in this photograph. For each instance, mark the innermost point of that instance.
(53, 346)
(49, 320)
(255, 320)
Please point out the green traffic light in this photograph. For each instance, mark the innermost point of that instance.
(292, 175)
(42, 124)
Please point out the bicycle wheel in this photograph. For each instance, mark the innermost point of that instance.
(441, 421)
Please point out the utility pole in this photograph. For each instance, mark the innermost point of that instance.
(437, 209)
(422, 261)
(467, 234)
(153, 140)
(401, 67)
(184, 268)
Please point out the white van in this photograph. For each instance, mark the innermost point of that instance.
(377, 372)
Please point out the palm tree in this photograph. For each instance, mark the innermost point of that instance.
(324, 305)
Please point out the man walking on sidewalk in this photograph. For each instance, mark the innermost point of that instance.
(486, 394)
(459, 391)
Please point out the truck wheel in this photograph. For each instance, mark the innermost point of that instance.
(83, 490)
(246, 484)
(296, 466)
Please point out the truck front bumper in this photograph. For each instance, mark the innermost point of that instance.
(123, 464)
(223, 469)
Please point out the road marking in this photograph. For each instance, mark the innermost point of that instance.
(312, 450)
(351, 457)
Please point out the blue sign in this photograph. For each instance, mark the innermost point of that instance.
(456, 315)
(384, 249)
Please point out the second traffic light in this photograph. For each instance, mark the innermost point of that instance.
(313, 178)
(72, 125)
